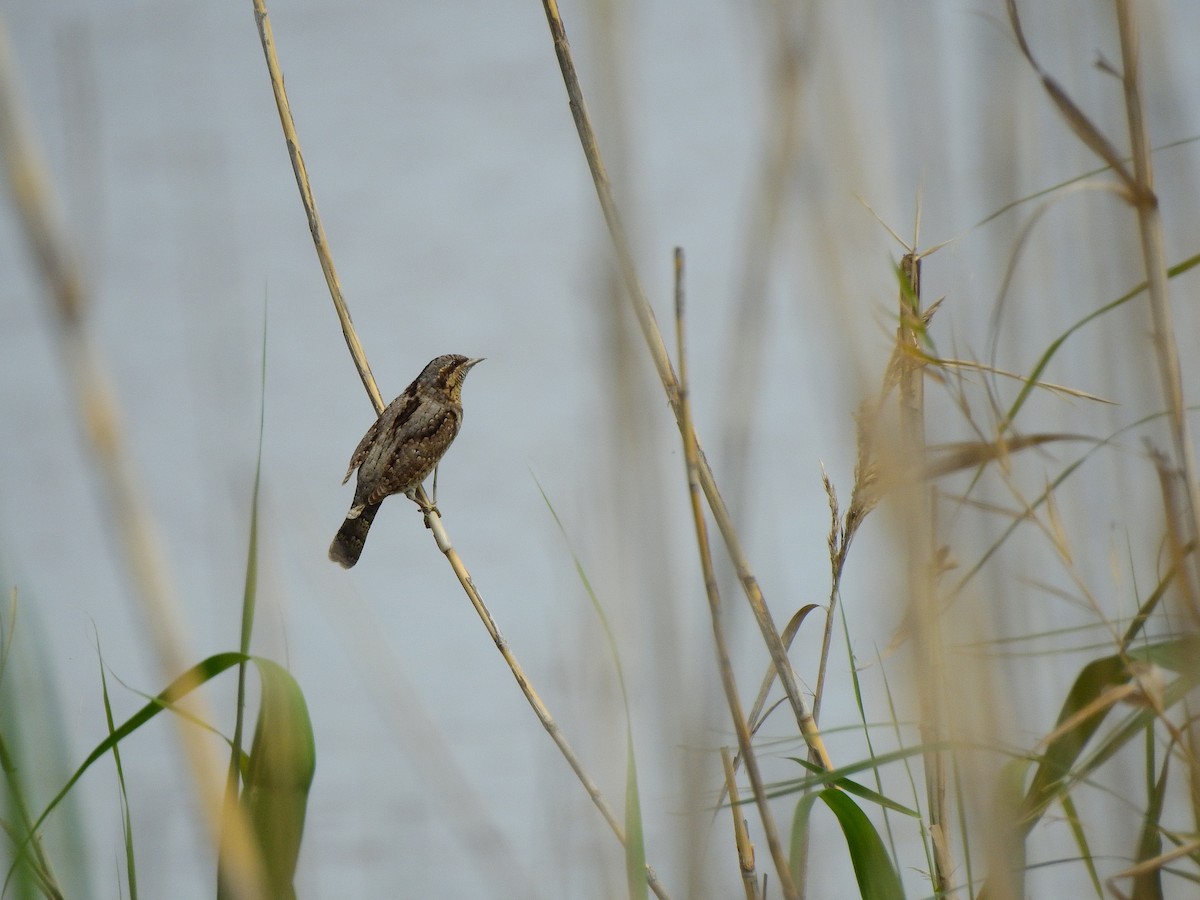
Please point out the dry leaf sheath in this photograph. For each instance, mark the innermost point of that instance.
(403, 446)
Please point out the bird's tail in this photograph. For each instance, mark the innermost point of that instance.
(348, 544)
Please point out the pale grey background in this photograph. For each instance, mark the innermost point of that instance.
(462, 219)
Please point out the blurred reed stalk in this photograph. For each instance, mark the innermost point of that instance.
(100, 420)
(787, 27)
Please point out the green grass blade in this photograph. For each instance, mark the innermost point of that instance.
(1042, 498)
(250, 588)
(29, 870)
(859, 790)
(126, 817)
(31, 723)
(1148, 885)
(909, 775)
(820, 778)
(197, 675)
(635, 845)
(1035, 375)
(249, 605)
(1045, 192)
(1075, 823)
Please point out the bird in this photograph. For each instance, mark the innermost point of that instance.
(403, 446)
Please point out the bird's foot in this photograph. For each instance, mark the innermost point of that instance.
(427, 508)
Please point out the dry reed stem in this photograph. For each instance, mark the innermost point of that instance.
(724, 666)
(916, 501)
(432, 518)
(662, 364)
(99, 411)
(1185, 530)
(310, 207)
(837, 563)
(757, 717)
(864, 497)
(740, 835)
(1150, 230)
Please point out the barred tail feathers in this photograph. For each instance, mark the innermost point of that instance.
(347, 546)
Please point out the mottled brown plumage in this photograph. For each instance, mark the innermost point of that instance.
(403, 446)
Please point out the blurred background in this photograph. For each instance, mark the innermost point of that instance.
(777, 143)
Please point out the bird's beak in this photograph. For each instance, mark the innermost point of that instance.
(473, 362)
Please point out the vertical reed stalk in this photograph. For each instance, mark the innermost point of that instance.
(724, 665)
(662, 364)
(1150, 233)
(433, 519)
(916, 497)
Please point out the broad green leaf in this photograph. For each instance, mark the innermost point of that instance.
(279, 775)
(1050, 778)
(798, 851)
(873, 869)
(877, 878)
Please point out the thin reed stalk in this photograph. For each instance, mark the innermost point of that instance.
(724, 666)
(741, 836)
(1150, 233)
(433, 519)
(916, 497)
(662, 364)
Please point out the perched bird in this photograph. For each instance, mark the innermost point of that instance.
(403, 446)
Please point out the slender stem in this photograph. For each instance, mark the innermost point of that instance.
(310, 206)
(724, 666)
(741, 836)
(1150, 231)
(837, 546)
(917, 503)
(662, 364)
(433, 520)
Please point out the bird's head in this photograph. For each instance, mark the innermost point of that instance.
(447, 373)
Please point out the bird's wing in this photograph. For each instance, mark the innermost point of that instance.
(425, 443)
(360, 452)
